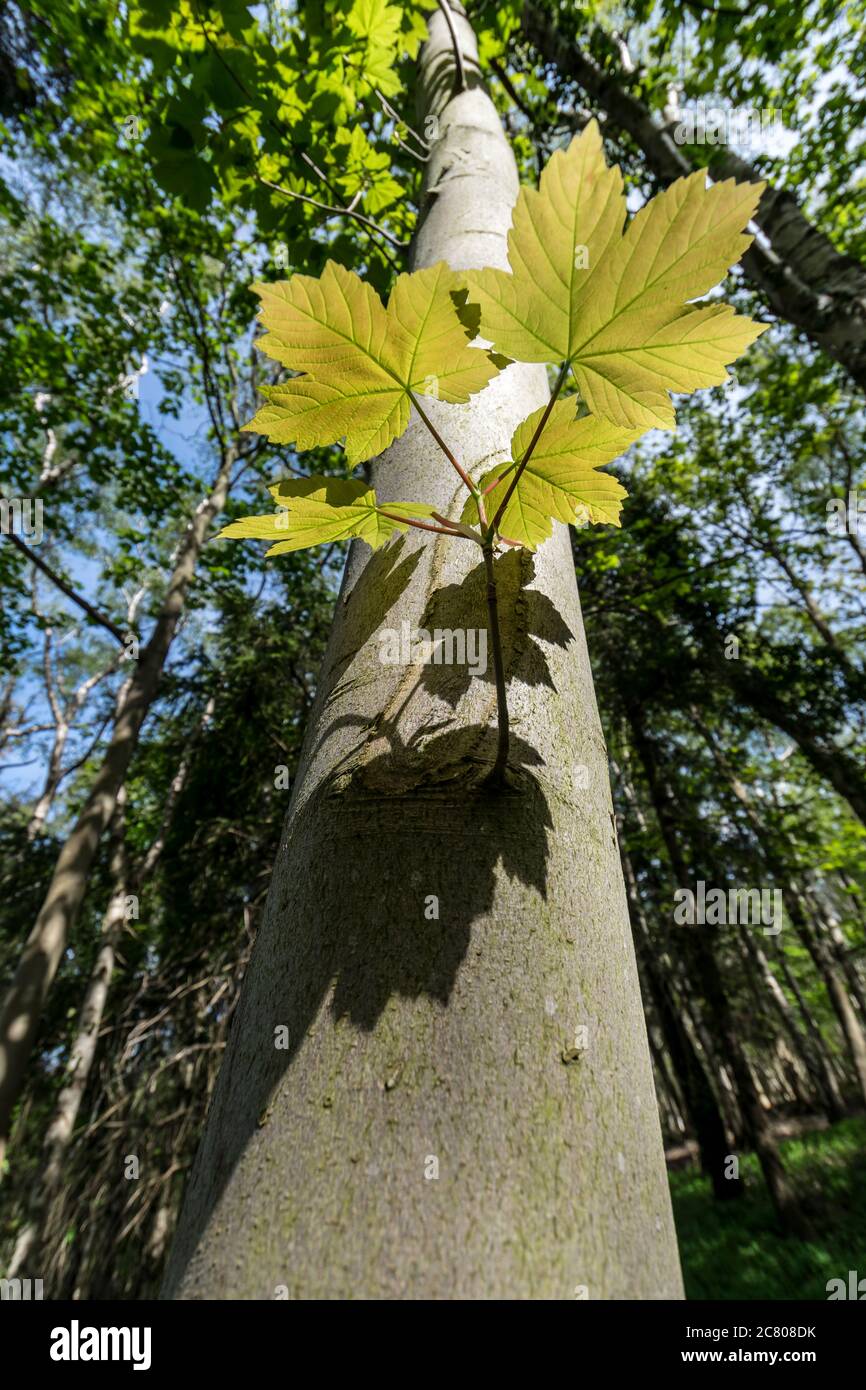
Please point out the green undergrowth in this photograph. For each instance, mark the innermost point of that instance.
(736, 1249)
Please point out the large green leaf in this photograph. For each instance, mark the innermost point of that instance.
(561, 481)
(318, 510)
(360, 361)
(615, 308)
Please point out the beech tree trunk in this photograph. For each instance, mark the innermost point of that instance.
(438, 1126)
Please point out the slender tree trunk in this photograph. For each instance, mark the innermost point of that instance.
(45, 800)
(699, 950)
(825, 1087)
(829, 1071)
(831, 974)
(828, 928)
(81, 1054)
(43, 951)
(811, 936)
(438, 1125)
(671, 1107)
(852, 1030)
(701, 1105)
(714, 1112)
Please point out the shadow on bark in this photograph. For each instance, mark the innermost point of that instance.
(405, 832)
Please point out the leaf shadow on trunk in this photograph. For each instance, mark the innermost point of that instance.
(384, 886)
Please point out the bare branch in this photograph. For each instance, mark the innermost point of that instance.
(334, 211)
(93, 614)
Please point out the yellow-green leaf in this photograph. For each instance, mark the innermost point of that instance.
(625, 374)
(560, 237)
(319, 510)
(616, 307)
(561, 481)
(361, 362)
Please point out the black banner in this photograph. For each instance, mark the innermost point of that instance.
(66, 1340)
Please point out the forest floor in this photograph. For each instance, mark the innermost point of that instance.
(736, 1249)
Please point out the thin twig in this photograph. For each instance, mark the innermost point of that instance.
(93, 614)
(303, 154)
(460, 82)
(395, 116)
(334, 211)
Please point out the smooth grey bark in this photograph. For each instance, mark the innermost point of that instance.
(422, 1044)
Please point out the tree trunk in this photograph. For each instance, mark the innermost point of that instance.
(699, 951)
(812, 939)
(828, 928)
(438, 1127)
(823, 1080)
(701, 1106)
(43, 951)
(831, 1071)
(831, 975)
(81, 1054)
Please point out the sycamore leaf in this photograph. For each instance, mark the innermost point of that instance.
(625, 375)
(561, 481)
(615, 307)
(375, 20)
(319, 510)
(560, 236)
(360, 361)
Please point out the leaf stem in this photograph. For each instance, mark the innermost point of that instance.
(500, 512)
(497, 773)
(497, 481)
(461, 472)
(421, 525)
(442, 445)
